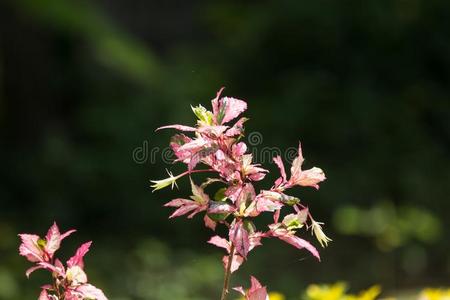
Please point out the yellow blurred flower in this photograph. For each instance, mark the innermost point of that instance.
(326, 292)
(369, 294)
(337, 292)
(435, 294)
(276, 296)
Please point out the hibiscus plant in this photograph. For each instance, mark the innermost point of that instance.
(68, 282)
(215, 146)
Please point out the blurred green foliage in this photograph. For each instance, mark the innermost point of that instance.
(151, 270)
(111, 46)
(390, 226)
(363, 85)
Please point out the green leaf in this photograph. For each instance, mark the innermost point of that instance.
(220, 195)
(204, 115)
(249, 226)
(218, 217)
(178, 139)
(221, 113)
(295, 221)
(290, 200)
(209, 181)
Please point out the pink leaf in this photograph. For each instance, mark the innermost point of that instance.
(194, 145)
(252, 171)
(215, 105)
(194, 160)
(276, 216)
(51, 268)
(196, 211)
(246, 195)
(237, 129)
(220, 242)
(257, 176)
(233, 192)
(255, 284)
(216, 207)
(58, 265)
(176, 142)
(296, 167)
(66, 234)
(184, 210)
(214, 131)
(239, 149)
(266, 204)
(209, 222)
(178, 202)
(77, 259)
(231, 108)
(259, 294)
(279, 162)
(185, 206)
(30, 248)
(44, 295)
(91, 292)
(53, 238)
(32, 269)
(227, 108)
(72, 294)
(311, 177)
(256, 291)
(235, 264)
(255, 240)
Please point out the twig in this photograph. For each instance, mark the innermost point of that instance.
(226, 281)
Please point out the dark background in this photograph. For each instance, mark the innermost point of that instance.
(363, 84)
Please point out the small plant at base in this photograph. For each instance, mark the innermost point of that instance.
(218, 146)
(68, 283)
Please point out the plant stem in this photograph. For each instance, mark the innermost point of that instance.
(196, 171)
(226, 280)
(56, 288)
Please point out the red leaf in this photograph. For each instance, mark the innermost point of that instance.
(184, 210)
(300, 244)
(239, 237)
